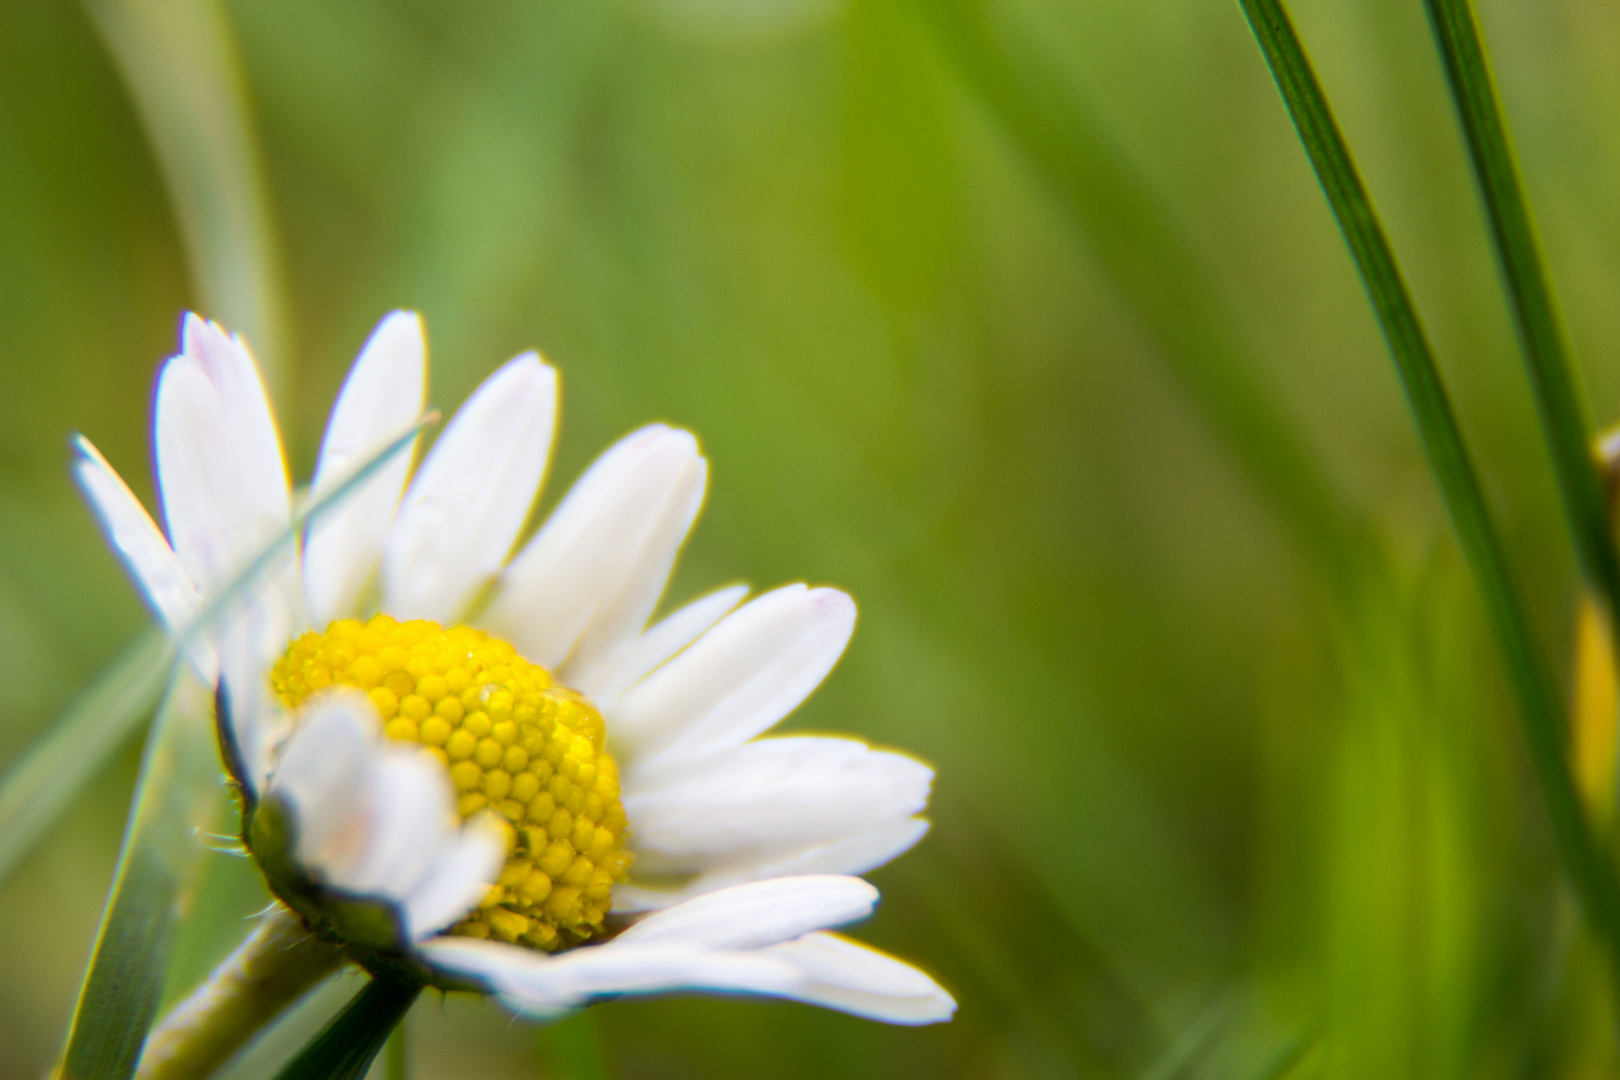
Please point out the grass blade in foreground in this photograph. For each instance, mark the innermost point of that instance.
(1535, 694)
(35, 792)
(1524, 277)
(345, 1048)
(178, 794)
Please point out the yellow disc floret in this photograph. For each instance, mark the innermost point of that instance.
(513, 742)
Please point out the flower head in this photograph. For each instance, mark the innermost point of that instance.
(489, 772)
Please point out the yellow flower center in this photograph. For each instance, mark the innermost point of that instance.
(513, 742)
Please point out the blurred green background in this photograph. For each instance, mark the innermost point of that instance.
(1023, 320)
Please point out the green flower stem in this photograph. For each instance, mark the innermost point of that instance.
(1536, 698)
(1529, 293)
(278, 963)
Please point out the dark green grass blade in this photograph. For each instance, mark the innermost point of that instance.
(1534, 693)
(344, 1049)
(1564, 421)
(1151, 261)
(35, 792)
(177, 795)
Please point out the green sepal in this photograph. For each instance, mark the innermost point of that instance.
(370, 924)
(371, 929)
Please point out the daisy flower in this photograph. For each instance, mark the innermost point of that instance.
(483, 770)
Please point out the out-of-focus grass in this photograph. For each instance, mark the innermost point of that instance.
(1192, 805)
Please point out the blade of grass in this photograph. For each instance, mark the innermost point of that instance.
(179, 62)
(1529, 680)
(267, 557)
(345, 1048)
(35, 792)
(1136, 237)
(1564, 420)
(177, 795)
(51, 773)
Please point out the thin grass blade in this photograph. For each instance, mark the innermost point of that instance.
(277, 549)
(345, 1048)
(52, 772)
(1530, 681)
(179, 61)
(1564, 420)
(35, 792)
(178, 794)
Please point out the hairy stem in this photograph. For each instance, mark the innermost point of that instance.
(278, 963)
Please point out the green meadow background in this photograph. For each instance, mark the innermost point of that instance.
(1024, 321)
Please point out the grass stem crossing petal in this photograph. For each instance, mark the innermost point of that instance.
(382, 397)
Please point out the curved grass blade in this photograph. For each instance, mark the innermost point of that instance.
(177, 792)
(35, 792)
(177, 795)
(1529, 680)
(1564, 420)
(179, 62)
(39, 788)
(1149, 258)
(344, 1049)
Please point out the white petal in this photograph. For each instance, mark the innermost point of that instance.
(254, 438)
(220, 468)
(472, 494)
(458, 880)
(201, 503)
(252, 632)
(850, 855)
(737, 680)
(584, 587)
(774, 795)
(413, 817)
(542, 985)
(662, 641)
(326, 777)
(156, 568)
(758, 914)
(856, 979)
(380, 400)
